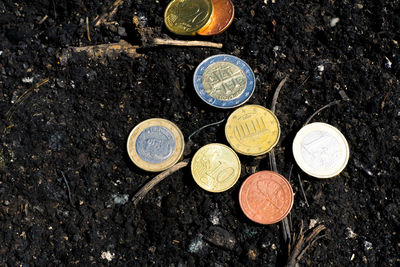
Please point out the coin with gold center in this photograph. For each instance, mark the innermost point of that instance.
(224, 81)
(155, 144)
(215, 167)
(186, 17)
(252, 130)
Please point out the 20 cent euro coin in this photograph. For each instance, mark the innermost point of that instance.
(215, 167)
(266, 197)
(252, 130)
(320, 150)
(155, 144)
(224, 81)
(186, 17)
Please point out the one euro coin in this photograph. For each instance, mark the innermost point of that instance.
(155, 144)
(320, 150)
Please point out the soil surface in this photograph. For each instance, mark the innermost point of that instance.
(66, 182)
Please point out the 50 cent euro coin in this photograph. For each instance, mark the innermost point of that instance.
(155, 144)
(252, 130)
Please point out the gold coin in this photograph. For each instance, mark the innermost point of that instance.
(215, 167)
(186, 17)
(252, 130)
(155, 144)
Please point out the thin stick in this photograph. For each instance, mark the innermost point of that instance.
(43, 19)
(160, 41)
(205, 126)
(147, 187)
(87, 29)
(68, 189)
(286, 232)
(302, 190)
(109, 14)
(276, 94)
(321, 109)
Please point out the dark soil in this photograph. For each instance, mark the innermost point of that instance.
(73, 130)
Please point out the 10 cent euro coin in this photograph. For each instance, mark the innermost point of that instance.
(252, 130)
(215, 167)
(266, 197)
(155, 144)
(186, 17)
(320, 150)
(224, 81)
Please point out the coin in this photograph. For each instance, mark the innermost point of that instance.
(266, 197)
(224, 81)
(320, 150)
(155, 144)
(186, 17)
(215, 167)
(252, 130)
(223, 14)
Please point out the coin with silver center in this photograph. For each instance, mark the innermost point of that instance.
(155, 144)
(224, 81)
(320, 150)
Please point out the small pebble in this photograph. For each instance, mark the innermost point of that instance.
(27, 80)
(334, 21)
(107, 255)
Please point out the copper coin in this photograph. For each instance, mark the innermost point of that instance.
(266, 197)
(222, 17)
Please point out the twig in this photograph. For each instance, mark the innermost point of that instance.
(102, 51)
(147, 187)
(285, 224)
(321, 109)
(54, 10)
(87, 28)
(276, 94)
(205, 126)
(302, 190)
(68, 189)
(43, 19)
(108, 14)
(22, 98)
(160, 41)
(302, 243)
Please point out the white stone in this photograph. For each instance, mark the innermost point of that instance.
(27, 80)
(334, 21)
(107, 255)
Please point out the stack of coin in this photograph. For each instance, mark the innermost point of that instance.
(252, 130)
(224, 81)
(266, 197)
(205, 17)
(215, 167)
(155, 144)
(320, 150)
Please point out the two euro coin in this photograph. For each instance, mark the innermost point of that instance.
(224, 81)
(320, 150)
(155, 144)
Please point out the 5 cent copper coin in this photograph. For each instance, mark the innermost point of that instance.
(266, 197)
(223, 14)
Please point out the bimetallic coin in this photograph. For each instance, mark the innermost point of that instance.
(252, 130)
(320, 150)
(223, 14)
(224, 81)
(186, 17)
(266, 197)
(155, 144)
(215, 167)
